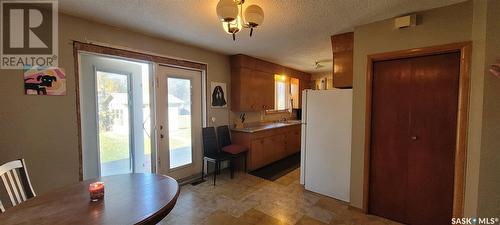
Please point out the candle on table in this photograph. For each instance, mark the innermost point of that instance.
(96, 191)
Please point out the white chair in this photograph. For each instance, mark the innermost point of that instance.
(17, 182)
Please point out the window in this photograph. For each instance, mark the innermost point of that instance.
(280, 92)
(294, 91)
(286, 93)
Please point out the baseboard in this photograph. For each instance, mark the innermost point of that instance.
(353, 208)
(196, 177)
(189, 179)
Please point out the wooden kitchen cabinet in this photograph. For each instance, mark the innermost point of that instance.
(251, 90)
(278, 145)
(268, 146)
(256, 156)
(252, 83)
(263, 90)
(293, 140)
(342, 48)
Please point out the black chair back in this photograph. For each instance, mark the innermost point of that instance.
(224, 136)
(210, 146)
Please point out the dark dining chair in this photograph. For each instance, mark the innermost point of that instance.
(17, 182)
(236, 151)
(212, 153)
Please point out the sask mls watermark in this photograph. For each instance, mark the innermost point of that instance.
(475, 221)
(29, 33)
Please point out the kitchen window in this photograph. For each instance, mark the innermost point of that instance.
(281, 92)
(286, 92)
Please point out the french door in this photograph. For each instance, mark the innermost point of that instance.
(119, 104)
(179, 121)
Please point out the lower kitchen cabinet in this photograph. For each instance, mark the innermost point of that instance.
(293, 140)
(268, 146)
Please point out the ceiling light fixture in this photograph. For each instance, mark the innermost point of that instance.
(230, 13)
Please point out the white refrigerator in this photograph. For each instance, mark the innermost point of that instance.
(326, 142)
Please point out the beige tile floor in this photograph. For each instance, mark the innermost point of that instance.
(247, 200)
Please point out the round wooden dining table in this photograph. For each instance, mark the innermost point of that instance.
(128, 199)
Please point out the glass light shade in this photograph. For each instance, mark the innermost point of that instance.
(254, 15)
(227, 10)
(234, 26)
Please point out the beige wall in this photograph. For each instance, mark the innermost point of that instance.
(259, 117)
(316, 80)
(43, 130)
(438, 26)
(489, 177)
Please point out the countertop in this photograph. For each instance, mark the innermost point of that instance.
(256, 127)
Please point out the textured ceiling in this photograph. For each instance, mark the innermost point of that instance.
(295, 33)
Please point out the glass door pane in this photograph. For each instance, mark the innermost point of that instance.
(179, 122)
(114, 123)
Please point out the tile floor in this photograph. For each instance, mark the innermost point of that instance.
(249, 200)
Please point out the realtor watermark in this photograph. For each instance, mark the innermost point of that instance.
(28, 33)
(473, 220)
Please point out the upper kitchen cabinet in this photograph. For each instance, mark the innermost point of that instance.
(342, 48)
(253, 84)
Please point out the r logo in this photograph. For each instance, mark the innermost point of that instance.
(29, 33)
(28, 28)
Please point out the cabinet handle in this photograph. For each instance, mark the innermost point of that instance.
(414, 138)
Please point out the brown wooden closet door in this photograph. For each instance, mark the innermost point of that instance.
(431, 154)
(414, 117)
(389, 141)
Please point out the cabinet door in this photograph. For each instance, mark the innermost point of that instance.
(269, 152)
(256, 90)
(293, 141)
(280, 146)
(263, 87)
(257, 152)
(343, 77)
(247, 91)
(342, 49)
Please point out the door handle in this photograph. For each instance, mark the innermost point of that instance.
(414, 138)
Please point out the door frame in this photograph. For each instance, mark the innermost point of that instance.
(462, 120)
(128, 53)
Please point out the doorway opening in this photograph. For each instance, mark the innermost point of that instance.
(116, 115)
(138, 112)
